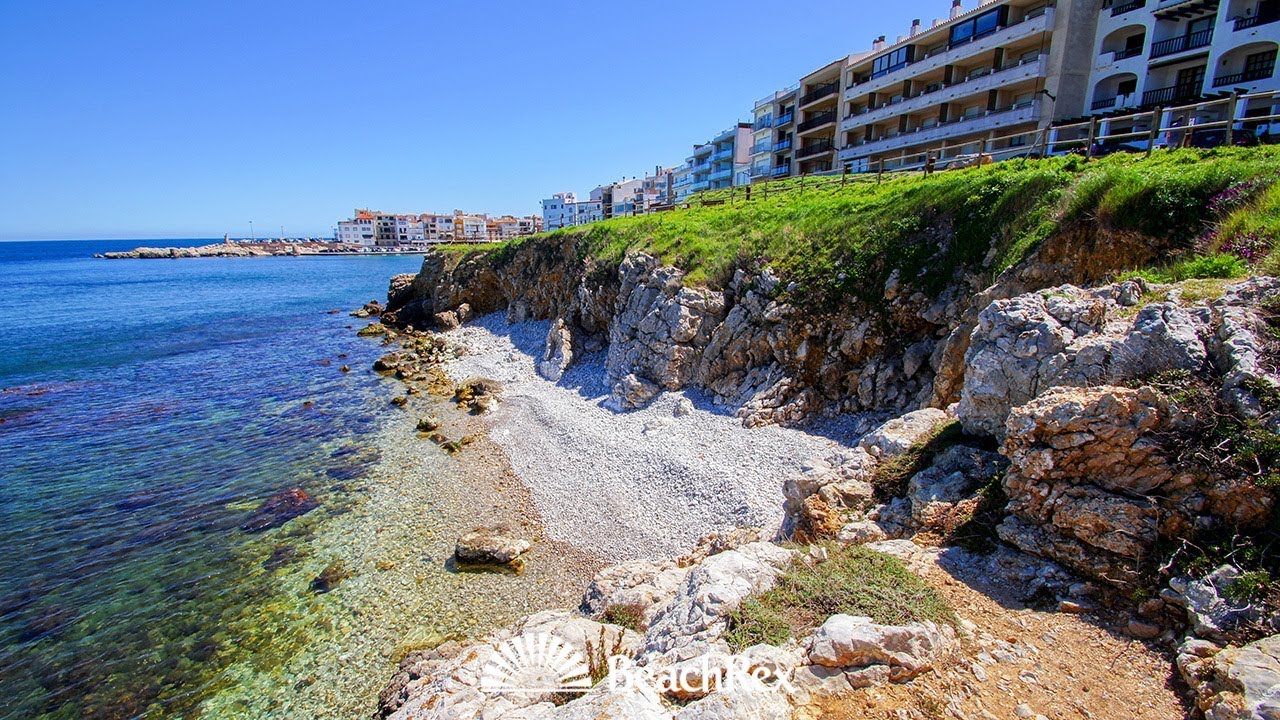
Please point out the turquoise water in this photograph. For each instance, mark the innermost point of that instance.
(148, 407)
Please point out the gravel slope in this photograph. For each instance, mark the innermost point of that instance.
(639, 484)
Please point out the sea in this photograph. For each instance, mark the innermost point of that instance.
(147, 410)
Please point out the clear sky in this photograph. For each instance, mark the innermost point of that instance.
(191, 118)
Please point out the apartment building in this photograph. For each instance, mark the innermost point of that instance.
(656, 189)
(359, 230)
(682, 181)
(620, 199)
(773, 131)
(1150, 53)
(990, 79)
(470, 228)
(565, 210)
(817, 118)
(721, 162)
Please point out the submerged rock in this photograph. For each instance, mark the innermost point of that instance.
(489, 546)
(330, 577)
(280, 509)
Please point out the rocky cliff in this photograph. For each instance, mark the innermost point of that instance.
(1094, 444)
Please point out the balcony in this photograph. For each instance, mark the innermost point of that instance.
(972, 85)
(826, 117)
(763, 123)
(721, 175)
(1125, 7)
(1245, 23)
(722, 154)
(1261, 73)
(1022, 113)
(1182, 43)
(783, 119)
(761, 148)
(1104, 104)
(700, 167)
(815, 148)
(1027, 27)
(818, 93)
(776, 96)
(1177, 93)
(761, 171)
(701, 185)
(1183, 9)
(782, 145)
(1126, 53)
(780, 170)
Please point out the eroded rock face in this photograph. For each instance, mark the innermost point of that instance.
(699, 614)
(660, 327)
(1237, 683)
(1090, 488)
(1211, 613)
(1068, 337)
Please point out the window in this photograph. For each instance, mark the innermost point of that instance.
(889, 62)
(1260, 65)
(980, 26)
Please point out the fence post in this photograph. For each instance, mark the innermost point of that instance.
(879, 170)
(844, 173)
(1093, 135)
(1231, 120)
(1156, 114)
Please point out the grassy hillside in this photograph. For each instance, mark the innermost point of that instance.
(845, 241)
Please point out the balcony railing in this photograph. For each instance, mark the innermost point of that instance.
(815, 148)
(721, 175)
(783, 119)
(1104, 103)
(822, 118)
(1259, 19)
(1181, 43)
(1029, 25)
(1176, 93)
(819, 92)
(1125, 7)
(934, 94)
(761, 171)
(700, 167)
(762, 123)
(1126, 53)
(760, 148)
(782, 145)
(1006, 117)
(1261, 73)
(722, 154)
(780, 170)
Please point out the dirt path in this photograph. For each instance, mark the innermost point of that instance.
(1023, 663)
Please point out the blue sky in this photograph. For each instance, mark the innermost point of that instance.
(189, 119)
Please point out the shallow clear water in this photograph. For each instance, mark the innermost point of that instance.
(148, 407)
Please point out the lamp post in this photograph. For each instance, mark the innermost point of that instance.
(252, 237)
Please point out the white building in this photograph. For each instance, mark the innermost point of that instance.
(1150, 53)
(357, 231)
(564, 210)
(471, 228)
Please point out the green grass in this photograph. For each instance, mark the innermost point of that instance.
(852, 581)
(835, 242)
(1221, 266)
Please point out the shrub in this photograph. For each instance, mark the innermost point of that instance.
(852, 580)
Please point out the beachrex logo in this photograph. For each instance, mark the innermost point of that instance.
(536, 663)
(542, 663)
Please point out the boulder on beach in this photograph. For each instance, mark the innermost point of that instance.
(490, 546)
(280, 509)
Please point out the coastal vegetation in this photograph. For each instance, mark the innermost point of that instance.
(841, 241)
(850, 580)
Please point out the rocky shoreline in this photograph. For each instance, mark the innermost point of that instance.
(1035, 428)
(266, 248)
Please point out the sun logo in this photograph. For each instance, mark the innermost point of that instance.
(535, 663)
